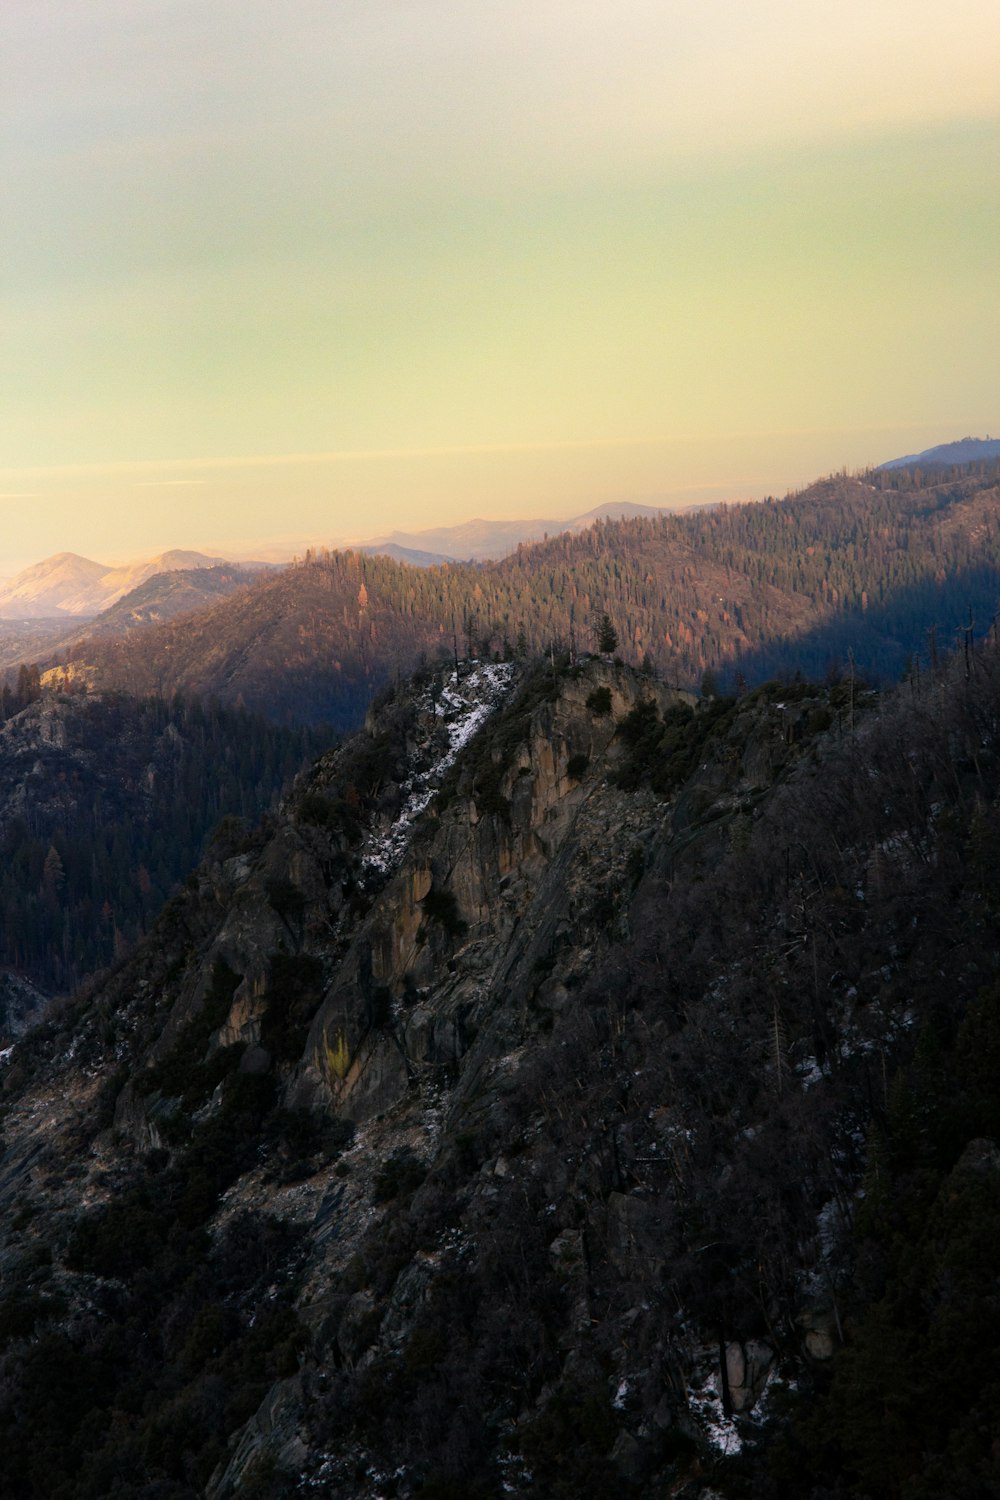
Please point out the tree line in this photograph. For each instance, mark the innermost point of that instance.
(867, 564)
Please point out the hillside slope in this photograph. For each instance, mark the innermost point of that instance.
(157, 599)
(105, 804)
(867, 566)
(496, 1122)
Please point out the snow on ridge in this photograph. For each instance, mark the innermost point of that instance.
(463, 705)
(721, 1431)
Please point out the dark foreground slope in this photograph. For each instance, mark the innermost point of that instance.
(867, 565)
(573, 1083)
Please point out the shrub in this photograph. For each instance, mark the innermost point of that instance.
(231, 835)
(119, 1238)
(23, 1312)
(286, 898)
(401, 1173)
(380, 1006)
(599, 701)
(317, 810)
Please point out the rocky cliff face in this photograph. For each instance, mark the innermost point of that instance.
(499, 876)
(490, 1122)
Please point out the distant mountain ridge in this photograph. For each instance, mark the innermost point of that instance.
(863, 565)
(67, 584)
(481, 540)
(164, 596)
(966, 450)
(158, 599)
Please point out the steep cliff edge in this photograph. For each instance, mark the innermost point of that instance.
(492, 1120)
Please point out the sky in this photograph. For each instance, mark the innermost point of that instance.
(273, 275)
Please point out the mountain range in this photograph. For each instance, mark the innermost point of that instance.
(67, 584)
(161, 597)
(865, 565)
(578, 1084)
(482, 541)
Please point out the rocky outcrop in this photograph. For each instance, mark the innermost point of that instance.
(22, 1005)
(272, 1439)
(491, 891)
(747, 1369)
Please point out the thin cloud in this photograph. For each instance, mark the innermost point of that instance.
(354, 455)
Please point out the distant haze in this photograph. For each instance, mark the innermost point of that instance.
(478, 540)
(273, 276)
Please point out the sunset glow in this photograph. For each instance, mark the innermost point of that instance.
(280, 275)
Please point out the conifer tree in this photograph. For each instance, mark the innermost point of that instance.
(607, 636)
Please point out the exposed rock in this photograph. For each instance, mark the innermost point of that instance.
(358, 1326)
(747, 1369)
(275, 1431)
(981, 1157)
(631, 1458)
(22, 1005)
(819, 1332)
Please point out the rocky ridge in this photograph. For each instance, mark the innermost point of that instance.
(500, 1110)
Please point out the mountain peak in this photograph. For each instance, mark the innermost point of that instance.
(68, 584)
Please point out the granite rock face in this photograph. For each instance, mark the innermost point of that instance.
(22, 1005)
(518, 884)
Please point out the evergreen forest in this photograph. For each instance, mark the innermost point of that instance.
(106, 804)
(891, 567)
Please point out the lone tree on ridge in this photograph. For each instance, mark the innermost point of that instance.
(607, 636)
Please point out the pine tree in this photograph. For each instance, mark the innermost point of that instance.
(53, 874)
(607, 636)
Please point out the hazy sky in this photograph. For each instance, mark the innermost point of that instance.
(272, 273)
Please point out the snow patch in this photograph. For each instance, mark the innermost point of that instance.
(720, 1430)
(463, 706)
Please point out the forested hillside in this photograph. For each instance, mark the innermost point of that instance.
(575, 1091)
(164, 596)
(886, 566)
(105, 806)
